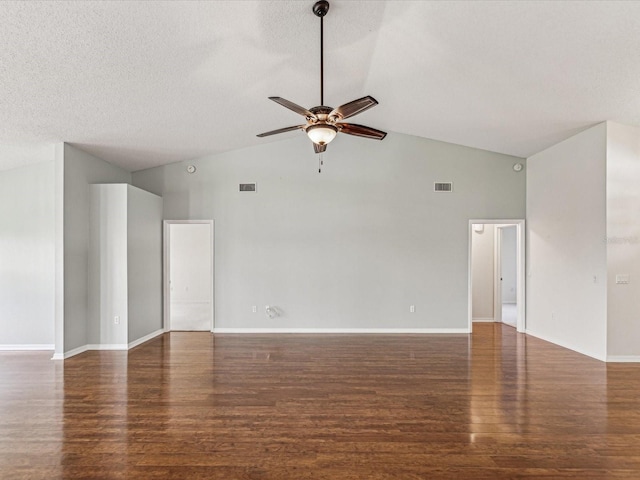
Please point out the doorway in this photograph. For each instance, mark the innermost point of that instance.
(496, 272)
(506, 278)
(188, 275)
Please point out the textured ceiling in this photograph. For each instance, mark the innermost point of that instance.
(142, 84)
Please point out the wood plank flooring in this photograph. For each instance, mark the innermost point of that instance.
(492, 405)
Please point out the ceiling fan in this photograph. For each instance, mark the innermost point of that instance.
(324, 123)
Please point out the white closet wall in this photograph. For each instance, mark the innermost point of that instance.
(125, 265)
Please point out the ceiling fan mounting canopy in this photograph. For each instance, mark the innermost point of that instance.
(320, 8)
(324, 123)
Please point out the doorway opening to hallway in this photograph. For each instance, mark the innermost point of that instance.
(496, 272)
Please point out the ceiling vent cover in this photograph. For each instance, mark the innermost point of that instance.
(443, 187)
(247, 187)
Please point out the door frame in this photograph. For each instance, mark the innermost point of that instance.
(520, 270)
(166, 241)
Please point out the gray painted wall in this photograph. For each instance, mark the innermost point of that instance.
(567, 257)
(351, 247)
(144, 262)
(80, 170)
(27, 255)
(483, 272)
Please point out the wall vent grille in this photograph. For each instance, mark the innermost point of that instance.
(443, 187)
(247, 187)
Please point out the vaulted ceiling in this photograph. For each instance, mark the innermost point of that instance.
(146, 83)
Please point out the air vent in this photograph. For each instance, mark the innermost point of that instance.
(443, 187)
(247, 187)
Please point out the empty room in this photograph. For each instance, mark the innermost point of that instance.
(343, 239)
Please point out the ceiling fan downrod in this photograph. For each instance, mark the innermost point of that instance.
(320, 9)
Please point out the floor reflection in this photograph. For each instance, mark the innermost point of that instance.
(534, 399)
(499, 381)
(95, 412)
(494, 404)
(31, 413)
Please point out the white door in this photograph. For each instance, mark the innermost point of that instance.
(190, 269)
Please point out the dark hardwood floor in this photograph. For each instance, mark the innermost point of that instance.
(491, 405)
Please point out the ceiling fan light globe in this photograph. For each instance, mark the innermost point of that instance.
(322, 134)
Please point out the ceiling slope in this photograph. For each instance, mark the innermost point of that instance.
(142, 84)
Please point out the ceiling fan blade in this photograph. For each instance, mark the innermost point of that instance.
(319, 148)
(280, 130)
(353, 108)
(361, 131)
(292, 106)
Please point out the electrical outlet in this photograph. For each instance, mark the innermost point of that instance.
(622, 278)
(116, 320)
(412, 309)
(254, 309)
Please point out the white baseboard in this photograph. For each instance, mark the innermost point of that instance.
(146, 338)
(107, 346)
(623, 358)
(564, 344)
(27, 347)
(342, 330)
(483, 319)
(71, 353)
(91, 346)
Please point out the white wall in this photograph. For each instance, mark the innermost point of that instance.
(108, 279)
(623, 240)
(144, 263)
(27, 256)
(80, 170)
(59, 251)
(125, 265)
(483, 272)
(566, 225)
(509, 264)
(351, 247)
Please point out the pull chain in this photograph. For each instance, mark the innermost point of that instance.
(320, 162)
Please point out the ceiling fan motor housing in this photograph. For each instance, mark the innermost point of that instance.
(322, 113)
